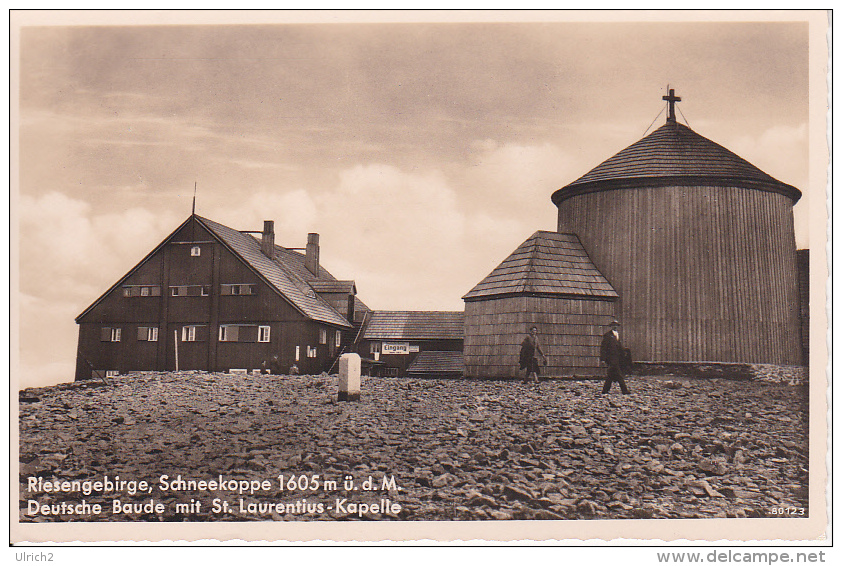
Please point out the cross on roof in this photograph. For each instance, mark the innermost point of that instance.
(672, 98)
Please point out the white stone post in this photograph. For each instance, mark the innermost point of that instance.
(349, 377)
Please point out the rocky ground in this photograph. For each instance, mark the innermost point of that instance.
(457, 449)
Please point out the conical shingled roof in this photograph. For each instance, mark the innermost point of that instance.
(674, 155)
(546, 263)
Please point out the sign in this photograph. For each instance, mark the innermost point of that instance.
(394, 348)
(414, 349)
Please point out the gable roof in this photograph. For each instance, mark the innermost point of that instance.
(674, 154)
(345, 287)
(436, 363)
(282, 274)
(283, 277)
(546, 263)
(295, 261)
(415, 325)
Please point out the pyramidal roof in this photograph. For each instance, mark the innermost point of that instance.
(546, 263)
(674, 155)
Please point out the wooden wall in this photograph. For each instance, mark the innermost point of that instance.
(569, 330)
(804, 303)
(703, 273)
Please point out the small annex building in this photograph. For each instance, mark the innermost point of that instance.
(419, 343)
(213, 298)
(548, 282)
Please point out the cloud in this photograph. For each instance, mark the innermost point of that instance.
(514, 178)
(294, 211)
(405, 237)
(69, 255)
(780, 151)
(408, 239)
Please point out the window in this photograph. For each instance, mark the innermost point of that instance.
(338, 338)
(190, 290)
(375, 348)
(110, 334)
(242, 333)
(322, 336)
(311, 352)
(195, 251)
(141, 291)
(194, 333)
(263, 333)
(147, 333)
(111, 373)
(297, 353)
(237, 289)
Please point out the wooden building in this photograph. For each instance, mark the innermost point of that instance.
(395, 339)
(699, 245)
(803, 258)
(213, 298)
(548, 282)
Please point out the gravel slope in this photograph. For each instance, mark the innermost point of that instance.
(487, 450)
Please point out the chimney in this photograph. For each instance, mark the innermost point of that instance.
(311, 257)
(267, 241)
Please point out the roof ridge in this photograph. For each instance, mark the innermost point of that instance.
(233, 239)
(530, 263)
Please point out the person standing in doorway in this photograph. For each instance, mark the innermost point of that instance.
(530, 350)
(611, 353)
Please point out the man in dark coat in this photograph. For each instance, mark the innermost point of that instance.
(530, 349)
(611, 352)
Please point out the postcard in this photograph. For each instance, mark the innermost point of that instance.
(399, 276)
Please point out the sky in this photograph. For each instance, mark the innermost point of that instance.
(422, 153)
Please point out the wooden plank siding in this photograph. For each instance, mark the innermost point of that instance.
(804, 302)
(173, 265)
(570, 331)
(704, 273)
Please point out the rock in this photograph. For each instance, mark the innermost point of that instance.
(579, 431)
(477, 498)
(518, 492)
(587, 508)
(713, 467)
(705, 488)
(452, 446)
